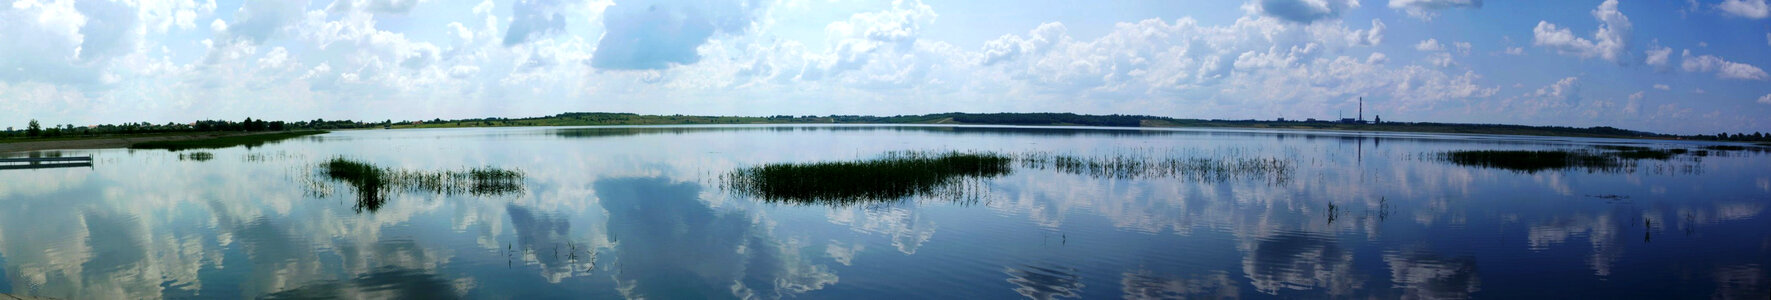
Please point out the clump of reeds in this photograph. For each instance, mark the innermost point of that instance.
(197, 156)
(373, 183)
(957, 175)
(897, 175)
(1134, 165)
(1532, 160)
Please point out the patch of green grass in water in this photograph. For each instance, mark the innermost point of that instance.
(249, 141)
(197, 156)
(896, 176)
(958, 176)
(373, 183)
(1530, 161)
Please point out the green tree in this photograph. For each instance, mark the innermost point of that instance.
(34, 129)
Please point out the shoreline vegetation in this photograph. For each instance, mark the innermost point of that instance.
(1069, 119)
(180, 140)
(34, 137)
(251, 140)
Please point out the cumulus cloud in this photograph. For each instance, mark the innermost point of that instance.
(530, 19)
(1658, 56)
(1010, 46)
(1663, 87)
(374, 6)
(1427, 9)
(1609, 42)
(64, 42)
(1766, 99)
(1429, 45)
(653, 34)
(1724, 69)
(1515, 51)
(257, 21)
(1302, 11)
(1751, 9)
(159, 16)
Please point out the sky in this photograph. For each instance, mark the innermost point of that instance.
(1694, 66)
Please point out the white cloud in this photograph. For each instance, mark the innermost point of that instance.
(1515, 51)
(1463, 48)
(1765, 99)
(654, 34)
(1301, 11)
(374, 6)
(1724, 69)
(1663, 87)
(1751, 9)
(1441, 59)
(1658, 56)
(1429, 45)
(1609, 42)
(218, 26)
(159, 16)
(1427, 9)
(65, 42)
(257, 21)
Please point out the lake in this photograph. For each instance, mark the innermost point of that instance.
(630, 212)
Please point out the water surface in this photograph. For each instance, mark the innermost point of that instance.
(611, 212)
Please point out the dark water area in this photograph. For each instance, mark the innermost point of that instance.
(653, 212)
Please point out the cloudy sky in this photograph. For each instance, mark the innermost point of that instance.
(1691, 66)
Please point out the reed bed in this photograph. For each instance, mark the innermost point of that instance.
(1141, 165)
(1603, 158)
(373, 183)
(895, 176)
(959, 176)
(197, 156)
(1532, 161)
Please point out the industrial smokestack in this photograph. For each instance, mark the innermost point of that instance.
(1361, 109)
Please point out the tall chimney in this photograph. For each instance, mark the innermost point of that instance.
(1362, 109)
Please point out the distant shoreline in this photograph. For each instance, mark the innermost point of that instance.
(1035, 119)
(121, 141)
(1013, 119)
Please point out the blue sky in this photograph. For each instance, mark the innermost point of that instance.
(1665, 66)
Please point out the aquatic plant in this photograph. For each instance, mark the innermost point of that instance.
(895, 176)
(197, 156)
(373, 183)
(1138, 165)
(1531, 161)
(957, 175)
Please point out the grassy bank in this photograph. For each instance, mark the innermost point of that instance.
(249, 141)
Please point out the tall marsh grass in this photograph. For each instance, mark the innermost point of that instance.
(897, 175)
(960, 176)
(373, 183)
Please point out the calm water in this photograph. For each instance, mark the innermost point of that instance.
(641, 212)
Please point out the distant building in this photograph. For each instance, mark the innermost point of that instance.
(1281, 119)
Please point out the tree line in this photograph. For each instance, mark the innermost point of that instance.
(35, 129)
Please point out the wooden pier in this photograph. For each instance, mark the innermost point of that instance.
(45, 162)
